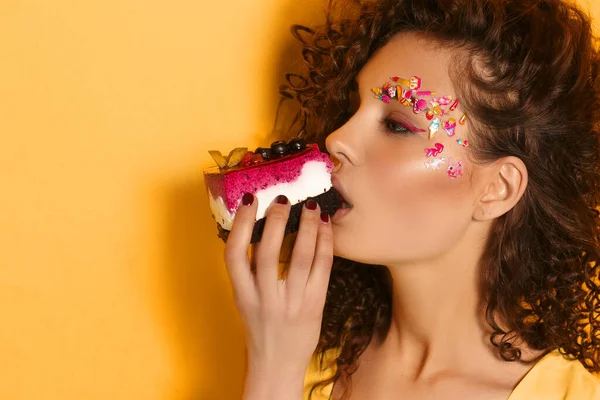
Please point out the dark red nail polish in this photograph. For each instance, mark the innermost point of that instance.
(311, 204)
(281, 199)
(324, 216)
(248, 199)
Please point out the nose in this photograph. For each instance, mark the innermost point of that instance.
(344, 144)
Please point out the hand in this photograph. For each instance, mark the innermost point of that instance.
(282, 317)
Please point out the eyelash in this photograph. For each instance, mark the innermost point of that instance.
(392, 126)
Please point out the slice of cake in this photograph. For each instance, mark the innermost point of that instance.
(297, 170)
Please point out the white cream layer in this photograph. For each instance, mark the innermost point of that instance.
(314, 180)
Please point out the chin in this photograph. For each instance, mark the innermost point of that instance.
(350, 251)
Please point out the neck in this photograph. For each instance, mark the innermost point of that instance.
(437, 314)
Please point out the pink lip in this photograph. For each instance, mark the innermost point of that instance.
(339, 214)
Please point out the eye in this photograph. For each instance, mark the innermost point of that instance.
(394, 127)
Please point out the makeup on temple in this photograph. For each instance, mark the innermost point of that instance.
(435, 109)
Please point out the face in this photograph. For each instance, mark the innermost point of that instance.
(411, 195)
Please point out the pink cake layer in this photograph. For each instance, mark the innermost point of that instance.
(231, 185)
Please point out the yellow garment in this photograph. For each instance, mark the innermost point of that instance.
(552, 378)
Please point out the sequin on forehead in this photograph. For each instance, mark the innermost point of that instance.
(415, 82)
(406, 94)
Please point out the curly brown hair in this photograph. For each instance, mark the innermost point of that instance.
(539, 101)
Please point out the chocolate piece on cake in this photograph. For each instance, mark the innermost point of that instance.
(297, 170)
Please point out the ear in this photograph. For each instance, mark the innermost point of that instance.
(503, 185)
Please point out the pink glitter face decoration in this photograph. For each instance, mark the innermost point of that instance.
(435, 109)
(441, 101)
(454, 105)
(435, 164)
(414, 83)
(434, 127)
(454, 170)
(419, 105)
(407, 93)
(449, 126)
(434, 151)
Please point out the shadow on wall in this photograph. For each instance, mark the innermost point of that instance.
(206, 332)
(203, 320)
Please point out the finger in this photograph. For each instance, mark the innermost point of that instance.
(268, 249)
(236, 248)
(304, 250)
(318, 280)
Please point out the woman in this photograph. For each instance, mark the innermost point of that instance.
(466, 137)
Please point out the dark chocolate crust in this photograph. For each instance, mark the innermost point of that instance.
(329, 201)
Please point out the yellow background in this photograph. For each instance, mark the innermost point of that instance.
(112, 284)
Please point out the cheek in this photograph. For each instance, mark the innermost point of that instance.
(415, 193)
(421, 210)
(412, 175)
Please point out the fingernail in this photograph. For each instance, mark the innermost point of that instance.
(324, 216)
(311, 204)
(247, 199)
(281, 199)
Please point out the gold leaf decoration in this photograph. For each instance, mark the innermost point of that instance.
(235, 156)
(218, 157)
